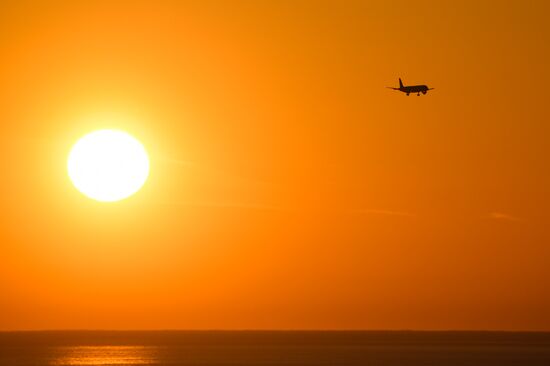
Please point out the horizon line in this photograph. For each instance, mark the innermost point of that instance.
(274, 330)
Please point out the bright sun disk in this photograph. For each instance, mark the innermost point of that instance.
(108, 165)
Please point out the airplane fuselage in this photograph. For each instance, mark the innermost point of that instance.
(414, 89)
(411, 88)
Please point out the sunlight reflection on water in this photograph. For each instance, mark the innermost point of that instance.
(105, 355)
(274, 348)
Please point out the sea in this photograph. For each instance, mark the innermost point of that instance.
(272, 348)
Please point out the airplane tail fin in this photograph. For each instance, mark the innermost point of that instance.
(400, 83)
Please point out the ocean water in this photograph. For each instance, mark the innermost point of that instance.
(275, 348)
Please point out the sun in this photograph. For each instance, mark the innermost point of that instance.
(108, 165)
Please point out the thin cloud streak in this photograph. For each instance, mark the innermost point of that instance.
(267, 207)
(213, 173)
(193, 165)
(237, 205)
(224, 205)
(504, 217)
(383, 212)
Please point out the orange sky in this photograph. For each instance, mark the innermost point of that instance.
(289, 188)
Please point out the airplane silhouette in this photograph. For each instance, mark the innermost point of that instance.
(411, 89)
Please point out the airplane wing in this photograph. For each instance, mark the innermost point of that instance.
(390, 87)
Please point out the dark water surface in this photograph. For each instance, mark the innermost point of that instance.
(275, 348)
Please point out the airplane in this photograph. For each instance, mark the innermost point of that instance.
(411, 89)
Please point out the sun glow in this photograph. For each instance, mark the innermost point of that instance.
(108, 165)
